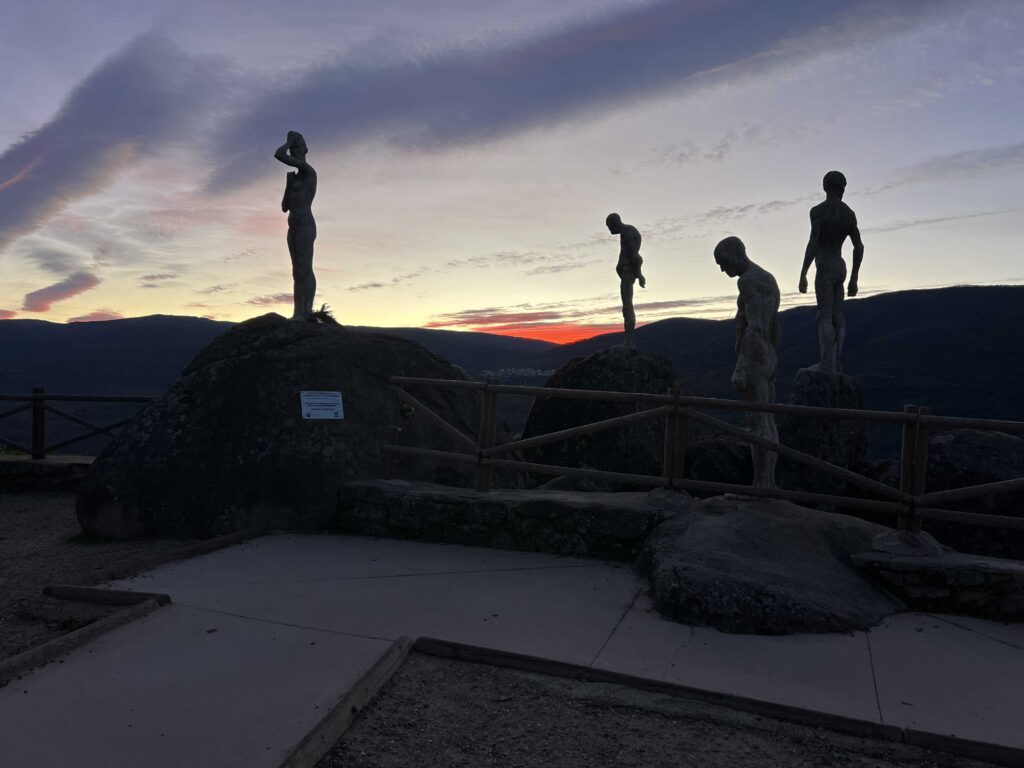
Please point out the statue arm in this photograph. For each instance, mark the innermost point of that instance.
(741, 324)
(858, 257)
(631, 253)
(284, 199)
(811, 251)
(281, 155)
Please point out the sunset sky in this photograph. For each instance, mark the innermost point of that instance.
(468, 152)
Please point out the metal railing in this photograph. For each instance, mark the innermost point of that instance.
(909, 502)
(39, 404)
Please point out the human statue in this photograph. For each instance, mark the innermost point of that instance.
(832, 221)
(757, 342)
(299, 190)
(628, 269)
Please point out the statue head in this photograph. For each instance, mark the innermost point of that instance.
(614, 223)
(297, 145)
(834, 183)
(731, 256)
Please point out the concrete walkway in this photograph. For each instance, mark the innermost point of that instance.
(264, 637)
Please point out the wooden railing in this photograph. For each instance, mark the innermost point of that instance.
(38, 404)
(909, 503)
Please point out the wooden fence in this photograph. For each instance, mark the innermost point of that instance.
(39, 404)
(910, 503)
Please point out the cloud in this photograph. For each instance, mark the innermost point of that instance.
(486, 92)
(689, 152)
(551, 269)
(907, 223)
(44, 298)
(968, 163)
(399, 279)
(493, 316)
(58, 262)
(97, 315)
(6, 314)
(272, 300)
(219, 288)
(134, 102)
(158, 280)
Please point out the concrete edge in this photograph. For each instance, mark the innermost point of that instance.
(47, 652)
(994, 753)
(322, 737)
(137, 604)
(999, 754)
(203, 547)
(103, 596)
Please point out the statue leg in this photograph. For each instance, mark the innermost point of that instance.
(296, 295)
(838, 321)
(761, 390)
(824, 292)
(302, 271)
(628, 315)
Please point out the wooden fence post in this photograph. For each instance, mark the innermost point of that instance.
(38, 423)
(920, 463)
(486, 433)
(669, 462)
(682, 436)
(908, 452)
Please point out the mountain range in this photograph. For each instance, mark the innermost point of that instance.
(958, 350)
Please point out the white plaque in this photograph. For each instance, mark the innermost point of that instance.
(322, 405)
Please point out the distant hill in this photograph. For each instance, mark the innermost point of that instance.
(145, 355)
(958, 350)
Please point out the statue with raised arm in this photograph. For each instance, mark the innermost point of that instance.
(628, 269)
(299, 190)
(832, 221)
(757, 342)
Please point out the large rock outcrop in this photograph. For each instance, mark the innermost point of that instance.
(227, 447)
(763, 567)
(840, 442)
(963, 457)
(636, 449)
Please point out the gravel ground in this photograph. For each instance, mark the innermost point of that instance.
(39, 546)
(442, 713)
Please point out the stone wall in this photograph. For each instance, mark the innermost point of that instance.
(610, 526)
(969, 585)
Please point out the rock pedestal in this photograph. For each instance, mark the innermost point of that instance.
(763, 567)
(840, 442)
(963, 457)
(227, 446)
(636, 449)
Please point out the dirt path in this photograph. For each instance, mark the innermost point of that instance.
(40, 545)
(436, 713)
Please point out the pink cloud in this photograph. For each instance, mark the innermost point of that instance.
(44, 298)
(6, 314)
(97, 314)
(272, 300)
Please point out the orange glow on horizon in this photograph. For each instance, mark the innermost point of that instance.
(558, 333)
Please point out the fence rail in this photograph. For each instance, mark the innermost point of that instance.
(909, 503)
(37, 403)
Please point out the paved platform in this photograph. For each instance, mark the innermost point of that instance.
(263, 637)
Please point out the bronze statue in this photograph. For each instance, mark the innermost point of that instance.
(628, 269)
(757, 343)
(832, 221)
(299, 191)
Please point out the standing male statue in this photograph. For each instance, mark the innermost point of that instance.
(757, 342)
(299, 190)
(831, 223)
(628, 270)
